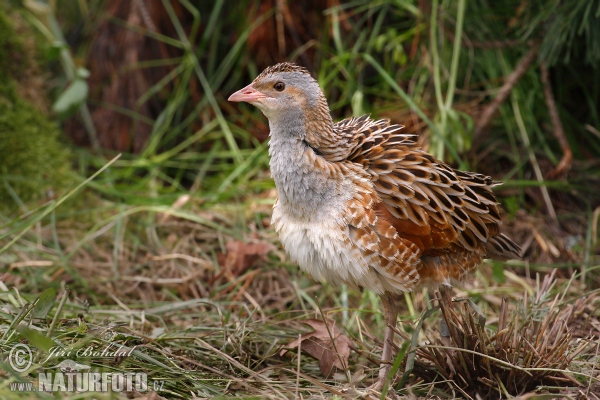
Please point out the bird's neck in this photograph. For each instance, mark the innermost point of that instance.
(304, 188)
(319, 126)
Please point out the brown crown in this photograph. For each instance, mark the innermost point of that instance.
(283, 67)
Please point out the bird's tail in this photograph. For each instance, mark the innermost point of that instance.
(502, 248)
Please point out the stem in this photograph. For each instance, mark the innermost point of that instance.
(58, 311)
(438, 147)
(436, 58)
(455, 54)
(565, 163)
(533, 159)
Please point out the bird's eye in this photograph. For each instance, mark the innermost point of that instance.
(279, 86)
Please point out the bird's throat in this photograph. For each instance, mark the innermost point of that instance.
(304, 188)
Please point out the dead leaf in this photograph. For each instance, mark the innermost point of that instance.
(319, 344)
(242, 256)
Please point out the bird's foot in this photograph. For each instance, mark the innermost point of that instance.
(384, 373)
(445, 301)
(447, 341)
(378, 388)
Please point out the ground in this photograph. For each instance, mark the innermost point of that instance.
(207, 302)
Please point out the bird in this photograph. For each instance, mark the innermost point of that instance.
(361, 203)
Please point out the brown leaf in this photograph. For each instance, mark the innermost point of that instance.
(241, 256)
(319, 344)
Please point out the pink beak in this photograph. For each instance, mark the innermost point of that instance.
(247, 94)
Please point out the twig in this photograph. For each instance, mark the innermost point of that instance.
(587, 393)
(298, 364)
(504, 91)
(140, 6)
(565, 163)
(497, 360)
(233, 362)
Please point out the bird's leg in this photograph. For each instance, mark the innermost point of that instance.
(445, 337)
(390, 313)
(446, 299)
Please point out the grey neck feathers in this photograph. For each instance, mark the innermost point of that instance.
(305, 190)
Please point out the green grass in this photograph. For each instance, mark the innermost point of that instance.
(227, 340)
(147, 278)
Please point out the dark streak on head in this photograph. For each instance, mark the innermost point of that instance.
(282, 67)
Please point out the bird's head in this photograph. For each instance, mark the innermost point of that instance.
(283, 91)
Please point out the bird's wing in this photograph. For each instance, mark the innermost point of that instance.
(438, 208)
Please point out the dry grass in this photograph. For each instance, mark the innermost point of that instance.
(177, 258)
(533, 346)
(213, 324)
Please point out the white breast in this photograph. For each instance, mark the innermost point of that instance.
(322, 248)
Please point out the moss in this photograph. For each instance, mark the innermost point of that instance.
(32, 158)
(11, 49)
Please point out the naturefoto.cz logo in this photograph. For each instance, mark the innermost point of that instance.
(71, 376)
